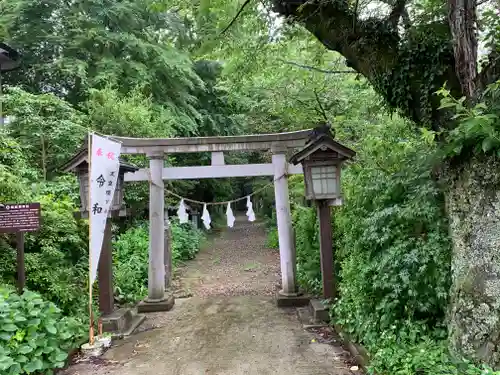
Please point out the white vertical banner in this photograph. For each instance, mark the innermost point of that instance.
(104, 169)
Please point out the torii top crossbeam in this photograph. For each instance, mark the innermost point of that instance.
(213, 144)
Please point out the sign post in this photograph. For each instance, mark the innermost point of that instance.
(19, 218)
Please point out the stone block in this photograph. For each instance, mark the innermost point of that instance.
(298, 300)
(165, 304)
(320, 312)
(122, 322)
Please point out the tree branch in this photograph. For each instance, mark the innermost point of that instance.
(308, 67)
(236, 17)
(396, 13)
(374, 50)
(322, 110)
(370, 49)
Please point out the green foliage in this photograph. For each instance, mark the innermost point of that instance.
(131, 252)
(272, 241)
(478, 126)
(423, 58)
(99, 43)
(56, 255)
(132, 114)
(48, 129)
(186, 241)
(395, 259)
(308, 257)
(409, 350)
(35, 337)
(130, 264)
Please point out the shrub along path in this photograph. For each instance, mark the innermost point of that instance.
(231, 325)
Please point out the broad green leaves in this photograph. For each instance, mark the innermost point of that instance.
(477, 127)
(26, 348)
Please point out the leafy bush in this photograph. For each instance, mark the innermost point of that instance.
(186, 241)
(272, 238)
(394, 247)
(56, 255)
(130, 263)
(307, 243)
(56, 258)
(34, 335)
(131, 254)
(413, 349)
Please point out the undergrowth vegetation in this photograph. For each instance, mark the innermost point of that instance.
(141, 68)
(392, 251)
(131, 251)
(35, 336)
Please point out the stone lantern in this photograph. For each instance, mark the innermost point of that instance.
(79, 165)
(322, 159)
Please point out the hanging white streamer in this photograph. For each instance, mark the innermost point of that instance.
(182, 213)
(250, 213)
(206, 217)
(230, 216)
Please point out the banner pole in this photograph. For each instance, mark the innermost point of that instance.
(91, 314)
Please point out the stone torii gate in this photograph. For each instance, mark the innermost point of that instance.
(157, 148)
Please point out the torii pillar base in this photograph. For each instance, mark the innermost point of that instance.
(164, 304)
(292, 299)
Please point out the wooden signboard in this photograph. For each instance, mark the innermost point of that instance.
(19, 218)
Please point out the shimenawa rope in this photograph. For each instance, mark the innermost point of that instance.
(220, 203)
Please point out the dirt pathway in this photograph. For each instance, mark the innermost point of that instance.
(231, 325)
(236, 262)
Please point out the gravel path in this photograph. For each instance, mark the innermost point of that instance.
(234, 263)
(230, 326)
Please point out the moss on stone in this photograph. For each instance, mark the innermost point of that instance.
(473, 203)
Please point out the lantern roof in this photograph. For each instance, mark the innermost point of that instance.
(9, 58)
(82, 157)
(322, 142)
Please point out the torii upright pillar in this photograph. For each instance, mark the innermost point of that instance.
(157, 299)
(289, 294)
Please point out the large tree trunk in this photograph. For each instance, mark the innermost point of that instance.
(462, 21)
(473, 204)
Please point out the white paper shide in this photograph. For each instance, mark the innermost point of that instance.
(230, 216)
(205, 217)
(104, 169)
(182, 213)
(250, 213)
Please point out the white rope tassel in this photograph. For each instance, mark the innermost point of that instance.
(206, 217)
(230, 216)
(250, 213)
(182, 213)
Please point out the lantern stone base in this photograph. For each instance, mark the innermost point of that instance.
(122, 322)
(292, 300)
(164, 304)
(320, 311)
